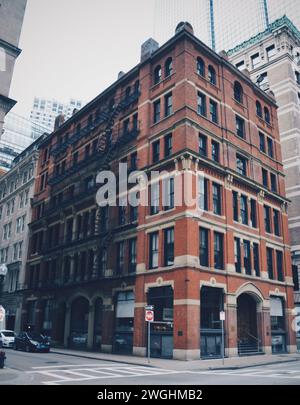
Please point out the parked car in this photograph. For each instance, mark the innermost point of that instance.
(32, 342)
(7, 338)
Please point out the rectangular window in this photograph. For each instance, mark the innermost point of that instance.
(213, 109)
(132, 256)
(133, 213)
(256, 258)
(218, 250)
(204, 247)
(237, 255)
(153, 250)
(202, 145)
(253, 217)
(169, 247)
(240, 65)
(121, 251)
(156, 111)
(279, 260)
(217, 199)
(271, 52)
(215, 151)
(154, 208)
(155, 151)
(133, 161)
(270, 263)
(270, 147)
(168, 105)
(262, 142)
(247, 257)
(264, 174)
(241, 165)
(168, 193)
(273, 182)
(122, 214)
(168, 145)
(201, 104)
(203, 193)
(276, 222)
(240, 126)
(255, 59)
(244, 209)
(267, 219)
(235, 206)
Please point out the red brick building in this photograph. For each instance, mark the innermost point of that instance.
(92, 270)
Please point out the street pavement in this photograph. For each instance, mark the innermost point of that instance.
(58, 369)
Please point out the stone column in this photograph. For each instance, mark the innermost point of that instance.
(231, 339)
(108, 325)
(91, 322)
(67, 325)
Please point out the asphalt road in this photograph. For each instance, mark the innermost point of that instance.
(57, 369)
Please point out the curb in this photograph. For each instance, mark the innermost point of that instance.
(253, 365)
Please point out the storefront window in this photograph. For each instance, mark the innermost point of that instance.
(277, 325)
(124, 322)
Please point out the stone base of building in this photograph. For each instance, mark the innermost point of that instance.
(267, 349)
(292, 349)
(183, 354)
(106, 348)
(139, 351)
(231, 352)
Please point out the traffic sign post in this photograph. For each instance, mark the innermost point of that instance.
(149, 317)
(222, 319)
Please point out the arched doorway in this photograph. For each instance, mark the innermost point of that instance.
(79, 323)
(247, 325)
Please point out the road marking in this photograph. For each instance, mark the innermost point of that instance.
(77, 365)
(267, 373)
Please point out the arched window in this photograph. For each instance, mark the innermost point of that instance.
(267, 115)
(258, 109)
(200, 67)
(157, 74)
(168, 67)
(238, 92)
(212, 75)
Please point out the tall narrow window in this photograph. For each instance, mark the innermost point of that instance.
(253, 216)
(215, 151)
(241, 165)
(267, 219)
(169, 247)
(258, 109)
(247, 257)
(235, 206)
(203, 195)
(168, 145)
(217, 200)
(200, 67)
(267, 115)
(279, 261)
(155, 151)
(201, 102)
(238, 92)
(153, 250)
(264, 174)
(270, 263)
(204, 247)
(154, 209)
(168, 194)
(273, 179)
(156, 111)
(213, 109)
(132, 255)
(256, 259)
(168, 67)
(276, 222)
(120, 253)
(157, 74)
(202, 145)
(168, 105)
(262, 142)
(240, 126)
(218, 250)
(212, 75)
(237, 255)
(244, 209)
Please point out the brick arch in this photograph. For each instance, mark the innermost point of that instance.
(253, 291)
(78, 294)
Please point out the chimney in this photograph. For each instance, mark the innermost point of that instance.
(148, 48)
(59, 120)
(184, 25)
(121, 74)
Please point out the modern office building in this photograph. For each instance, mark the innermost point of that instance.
(222, 24)
(186, 111)
(16, 190)
(17, 134)
(44, 111)
(11, 20)
(273, 60)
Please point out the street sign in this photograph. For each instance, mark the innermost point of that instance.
(3, 270)
(149, 316)
(222, 316)
(149, 307)
(2, 313)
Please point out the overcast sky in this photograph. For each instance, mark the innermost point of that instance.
(75, 48)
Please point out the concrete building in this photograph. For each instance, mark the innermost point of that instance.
(44, 111)
(16, 190)
(91, 270)
(222, 24)
(273, 60)
(17, 134)
(11, 20)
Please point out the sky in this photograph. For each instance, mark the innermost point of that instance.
(76, 48)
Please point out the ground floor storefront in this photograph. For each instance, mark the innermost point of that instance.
(187, 306)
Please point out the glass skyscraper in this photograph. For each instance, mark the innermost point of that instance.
(221, 24)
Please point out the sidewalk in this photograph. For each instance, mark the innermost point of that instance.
(214, 364)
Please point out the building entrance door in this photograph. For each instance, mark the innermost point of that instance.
(247, 330)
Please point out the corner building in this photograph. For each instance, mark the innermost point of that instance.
(92, 270)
